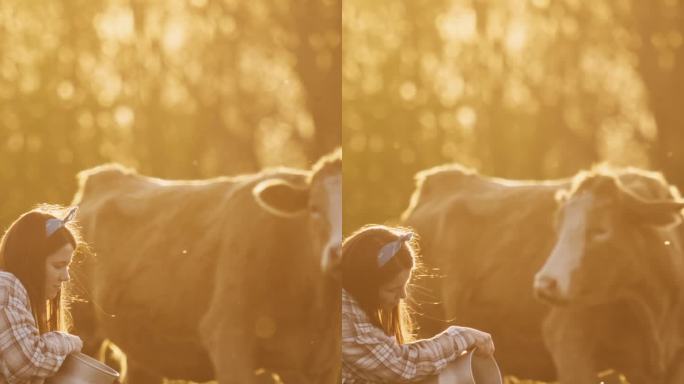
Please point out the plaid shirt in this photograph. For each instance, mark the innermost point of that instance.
(27, 357)
(371, 356)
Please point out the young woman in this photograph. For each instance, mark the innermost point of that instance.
(35, 254)
(377, 262)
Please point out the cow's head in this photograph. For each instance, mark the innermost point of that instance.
(319, 199)
(606, 236)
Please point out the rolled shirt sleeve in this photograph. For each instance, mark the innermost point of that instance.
(25, 354)
(369, 355)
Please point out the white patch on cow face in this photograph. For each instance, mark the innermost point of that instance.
(331, 250)
(554, 280)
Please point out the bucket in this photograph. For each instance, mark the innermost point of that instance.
(79, 368)
(469, 368)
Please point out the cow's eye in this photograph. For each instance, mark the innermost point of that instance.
(598, 233)
(315, 210)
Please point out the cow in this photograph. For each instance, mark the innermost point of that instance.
(213, 279)
(492, 260)
(482, 239)
(615, 279)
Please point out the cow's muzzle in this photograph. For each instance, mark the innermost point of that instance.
(547, 290)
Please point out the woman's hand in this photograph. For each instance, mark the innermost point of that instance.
(482, 341)
(475, 338)
(77, 342)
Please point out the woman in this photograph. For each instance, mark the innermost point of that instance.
(35, 254)
(377, 262)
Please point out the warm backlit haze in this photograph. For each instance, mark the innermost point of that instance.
(517, 89)
(527, 89)
(177, 90)
(180, 89)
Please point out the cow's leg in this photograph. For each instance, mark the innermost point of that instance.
(232, 354)
(231, 346)
(676, 371)
(573, 366)
(293, 377)
(638, 377)
(632, 363)
(112, 356)
(105, 351)
(138, 374)
(227, 332)
(623, 345)
(94, 344)
(266, 377)
(570, 346)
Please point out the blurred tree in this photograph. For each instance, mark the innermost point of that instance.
(518, 89)
(318, 50)
(179, 89)
(657, 41)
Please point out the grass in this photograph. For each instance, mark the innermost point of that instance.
(606, 377)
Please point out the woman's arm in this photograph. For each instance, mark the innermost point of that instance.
(24, 353)
(371, 354)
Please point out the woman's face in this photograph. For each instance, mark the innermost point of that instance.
(394, 290)
(57, 270)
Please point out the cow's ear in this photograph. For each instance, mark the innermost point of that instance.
(282, 198)
(656, 212)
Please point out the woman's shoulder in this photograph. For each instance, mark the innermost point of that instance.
(351, 309)
(7, 279)
(10, 286)
(347, 301)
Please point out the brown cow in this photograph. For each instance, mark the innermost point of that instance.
(615, 279)
(487, 237)
(214, 279)
(482, 240)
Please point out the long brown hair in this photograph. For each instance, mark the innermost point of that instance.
(23, 250)
(362, 277)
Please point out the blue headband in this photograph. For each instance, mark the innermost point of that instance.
(390, 249)
(53, 224)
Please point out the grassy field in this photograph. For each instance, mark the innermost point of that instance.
(608, 377)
